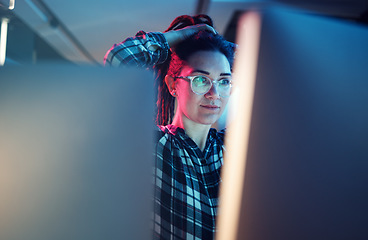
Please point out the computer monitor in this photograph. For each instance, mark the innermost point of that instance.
(75, 152)
(297, 160)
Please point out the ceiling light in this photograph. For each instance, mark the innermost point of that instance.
(3, 37)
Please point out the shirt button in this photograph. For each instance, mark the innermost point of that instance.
(203, 161)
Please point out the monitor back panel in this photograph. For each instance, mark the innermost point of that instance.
(75, 152)
(307, 161)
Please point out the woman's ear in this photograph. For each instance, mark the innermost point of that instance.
(171, 85)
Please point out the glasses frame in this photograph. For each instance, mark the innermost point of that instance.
(212, 81)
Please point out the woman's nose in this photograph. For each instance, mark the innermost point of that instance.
(213, 93)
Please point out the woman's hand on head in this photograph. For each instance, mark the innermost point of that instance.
(173, 37)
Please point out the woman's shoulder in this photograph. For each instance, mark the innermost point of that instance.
(176, 135)
(167, 137)
(169, 130)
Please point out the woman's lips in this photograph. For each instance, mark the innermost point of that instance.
(211, 107)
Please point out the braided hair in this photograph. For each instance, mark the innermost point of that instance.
(202, 40)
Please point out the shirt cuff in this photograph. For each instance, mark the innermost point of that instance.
(163, 45)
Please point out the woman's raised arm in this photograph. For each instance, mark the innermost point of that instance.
(151, 48)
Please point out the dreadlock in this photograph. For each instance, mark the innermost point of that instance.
(201, 41)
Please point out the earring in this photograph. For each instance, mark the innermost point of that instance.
(173, 93)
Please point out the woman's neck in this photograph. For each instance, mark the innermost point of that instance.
(197, 132)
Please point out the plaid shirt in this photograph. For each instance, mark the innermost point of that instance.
(143, 50)
(186, 178)
(186, 184)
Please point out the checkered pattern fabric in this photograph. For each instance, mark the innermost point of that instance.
(143, 50)
(186, 185)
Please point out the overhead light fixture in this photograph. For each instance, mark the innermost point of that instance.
(3, 37)
(9, 4)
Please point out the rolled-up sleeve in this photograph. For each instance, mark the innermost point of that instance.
(142, 50)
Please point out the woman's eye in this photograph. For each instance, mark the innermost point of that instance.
(225, 82)
(200, 80)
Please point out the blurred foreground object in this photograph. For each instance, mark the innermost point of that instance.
(75, 153)
(301, 172)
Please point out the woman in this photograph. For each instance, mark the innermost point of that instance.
(192, 65)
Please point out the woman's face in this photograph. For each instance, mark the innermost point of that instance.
(207, 108)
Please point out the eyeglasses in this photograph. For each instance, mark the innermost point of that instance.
(201, 84)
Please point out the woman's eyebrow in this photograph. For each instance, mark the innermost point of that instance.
(207, 73)
(200, 71)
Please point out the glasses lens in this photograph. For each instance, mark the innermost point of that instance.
(201, 84)
(224, 86)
